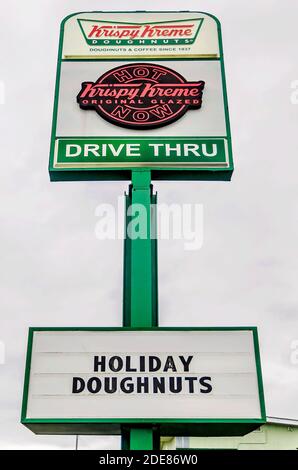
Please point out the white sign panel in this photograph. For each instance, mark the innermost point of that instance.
(150, 374)
(140, 34)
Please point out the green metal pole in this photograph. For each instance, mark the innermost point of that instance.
(140, 282)
(141, 438)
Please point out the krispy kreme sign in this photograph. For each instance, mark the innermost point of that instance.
(141, 95)
(138, 90)
(113, 33)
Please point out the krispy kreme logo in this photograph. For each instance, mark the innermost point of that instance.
(161, 33)
(141, 95)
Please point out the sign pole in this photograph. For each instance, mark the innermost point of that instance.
(140, 305)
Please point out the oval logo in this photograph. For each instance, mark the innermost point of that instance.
(141, 95)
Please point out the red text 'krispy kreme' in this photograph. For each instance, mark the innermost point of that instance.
(141, 95)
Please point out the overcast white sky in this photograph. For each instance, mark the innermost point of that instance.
(54, 272)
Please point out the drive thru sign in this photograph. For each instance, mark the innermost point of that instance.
(140, 90)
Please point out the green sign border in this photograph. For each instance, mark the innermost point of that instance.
(157, 173)
(178, 427)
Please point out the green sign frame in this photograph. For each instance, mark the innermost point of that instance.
(221, 169)
(170, 427)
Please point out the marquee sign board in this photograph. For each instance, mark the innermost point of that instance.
(84, 380)
(140, 90)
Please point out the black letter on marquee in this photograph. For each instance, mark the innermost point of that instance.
(191, 381)
(112, 365)
(142, 363)
(94, 385)
(101, 363)
(78, 385)
(142, 382)
(205, 384)
(170, 364)
(110, 384)
(186, 362)
(152, 367)
(178, 387)
(159, 384)
(128, 365)
(126, 385)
